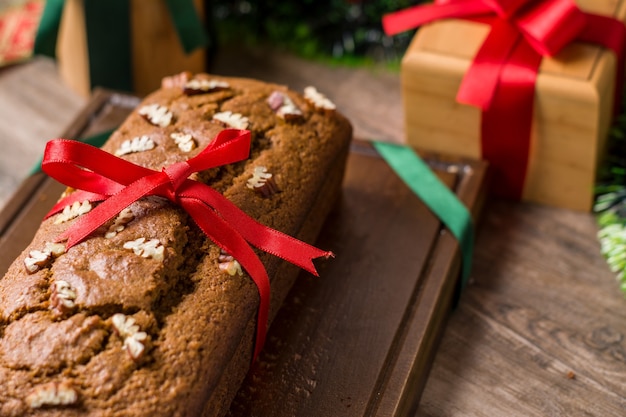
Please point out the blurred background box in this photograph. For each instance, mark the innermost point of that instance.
(144, 26)
(572, 111)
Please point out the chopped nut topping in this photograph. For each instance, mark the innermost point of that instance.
(146, 249)
(51, 394)
(318, 99)
(38, 259)
(185, 142)
(134, 344)
(71, 211)
(284, 107)
(177, 80)
(156, 114)
(229, 265)
(126, 216)
(234, 120)
(137, 144)
(262, 182)
(62, 297)
(196, 86)
(133, 338)
(125, 326)
(56, 249)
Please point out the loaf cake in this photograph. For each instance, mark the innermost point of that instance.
(148, 316)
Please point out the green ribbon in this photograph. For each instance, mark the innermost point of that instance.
(188, 25)
(98, 140)
(436, 195)
(108, 36)
(47, 33)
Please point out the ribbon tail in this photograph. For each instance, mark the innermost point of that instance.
(480, 82)
(228, 239)
(507, 124)
(283, 246)
(265, 238)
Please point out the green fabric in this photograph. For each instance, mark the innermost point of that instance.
(436, 195)
(188, 25)
(46, 36)
(96, 140)
(108, 44)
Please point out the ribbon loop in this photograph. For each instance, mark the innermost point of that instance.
(550, 25)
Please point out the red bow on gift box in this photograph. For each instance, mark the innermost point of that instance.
(100, 176)
(501, 78)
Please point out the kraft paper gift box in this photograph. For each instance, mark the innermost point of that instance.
(144, 28)
(573, 106)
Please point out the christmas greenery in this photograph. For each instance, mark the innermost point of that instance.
(337, 31)
(610, 203)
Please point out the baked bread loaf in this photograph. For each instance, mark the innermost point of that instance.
(147, 317)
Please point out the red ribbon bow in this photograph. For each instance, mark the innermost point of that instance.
(100, 176)
(501, 78)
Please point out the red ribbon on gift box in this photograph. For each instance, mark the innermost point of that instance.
(501, 79)
(100, 176)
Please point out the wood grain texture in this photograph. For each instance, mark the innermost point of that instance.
(542, 302)
(35, 106)
(541, 330)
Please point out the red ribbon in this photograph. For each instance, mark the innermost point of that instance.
(501, 78)
(100, 176)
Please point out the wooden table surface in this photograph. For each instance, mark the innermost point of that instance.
(540, 331)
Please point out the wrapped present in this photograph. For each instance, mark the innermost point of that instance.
(127, 45)
(18, 22)
(529, 86)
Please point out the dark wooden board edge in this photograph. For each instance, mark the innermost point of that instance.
(410, 359)
(411, 356)
(433, 302)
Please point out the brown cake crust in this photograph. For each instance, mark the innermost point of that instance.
(62, 352)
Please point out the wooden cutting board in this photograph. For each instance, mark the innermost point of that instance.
(360, 339)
